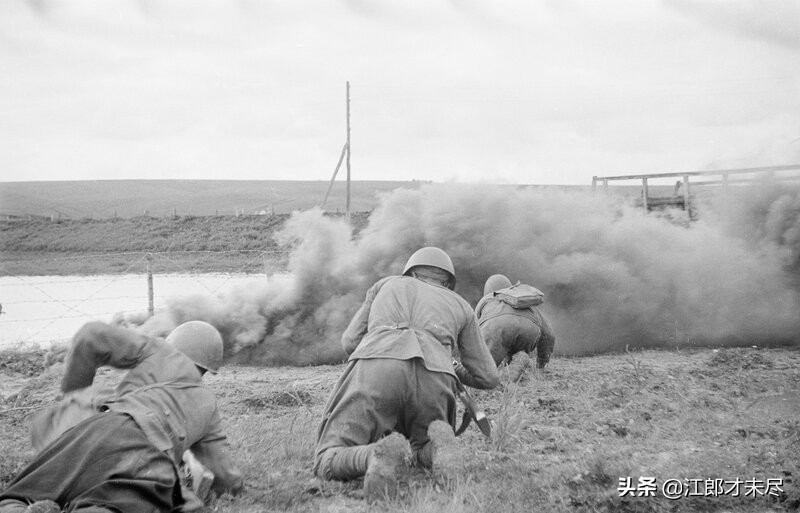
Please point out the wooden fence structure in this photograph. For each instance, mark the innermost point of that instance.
(682, 193)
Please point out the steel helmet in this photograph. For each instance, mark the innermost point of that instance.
(201, 342)
(495, 283)
(433, 257)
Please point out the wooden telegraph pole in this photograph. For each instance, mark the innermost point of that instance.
(345, 152)
(347, 210)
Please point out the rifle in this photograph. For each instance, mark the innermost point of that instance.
(471, 412)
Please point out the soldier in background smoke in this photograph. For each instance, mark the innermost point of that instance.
(513, 333)
(400, 382)
(125, 456)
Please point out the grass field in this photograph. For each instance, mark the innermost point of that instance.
(562, 439)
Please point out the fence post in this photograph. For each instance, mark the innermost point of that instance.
(645, 194)
(150, 309)
(686, 200)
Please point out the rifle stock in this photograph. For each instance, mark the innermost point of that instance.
(472, 412)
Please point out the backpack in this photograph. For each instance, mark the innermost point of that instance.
(520, 296)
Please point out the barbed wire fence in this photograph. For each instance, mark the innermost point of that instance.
(38, 310)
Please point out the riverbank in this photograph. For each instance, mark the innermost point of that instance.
(77, 263)
(238, 244)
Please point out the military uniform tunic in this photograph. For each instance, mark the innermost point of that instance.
(400, 374)
(126, 456)
(508, 330)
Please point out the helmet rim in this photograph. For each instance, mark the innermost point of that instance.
(434, 257)
(496, 282)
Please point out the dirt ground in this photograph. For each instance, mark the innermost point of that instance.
(588, 434)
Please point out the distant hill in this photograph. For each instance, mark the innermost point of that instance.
(105, 199)
(129, 198)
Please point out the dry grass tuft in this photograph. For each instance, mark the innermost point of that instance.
(509, 422)
(562, 439)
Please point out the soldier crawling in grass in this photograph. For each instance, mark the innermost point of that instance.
(400, 382)
(513, 332)
(125, 454)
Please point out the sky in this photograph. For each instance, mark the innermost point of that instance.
(508, 91)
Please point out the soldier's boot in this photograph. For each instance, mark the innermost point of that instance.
(516, 369)
(446, 459)
(46, 506)
(388, 463)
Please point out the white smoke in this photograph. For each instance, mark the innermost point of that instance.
(612, 275)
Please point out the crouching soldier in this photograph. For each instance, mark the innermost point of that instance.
(125, 455)
(513, 332)
(400, 381)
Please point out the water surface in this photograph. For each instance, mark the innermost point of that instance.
(42, 310)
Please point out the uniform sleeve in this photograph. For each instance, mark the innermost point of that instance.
(358, 324)
(213, 452)
(97, 344)
(481, 304)
(216, 457)
(477, 368)
(547, 341)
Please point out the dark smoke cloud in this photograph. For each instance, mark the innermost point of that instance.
(613, 276)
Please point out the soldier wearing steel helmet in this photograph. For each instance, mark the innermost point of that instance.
(395, 404)
(125, 455)
(511, 333)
